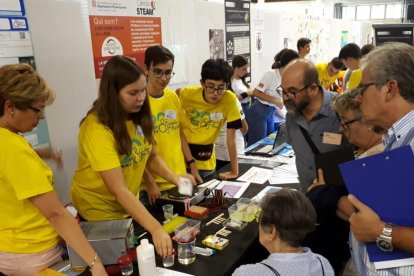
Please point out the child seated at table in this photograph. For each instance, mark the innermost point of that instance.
(286, 217)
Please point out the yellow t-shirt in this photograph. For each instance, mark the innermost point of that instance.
(167, 116)
(324, 79)
(203, 120)
(23, 174)
(97, 152)
(354, 79)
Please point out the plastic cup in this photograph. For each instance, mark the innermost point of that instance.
(168, 210)
(185, 254)
(168, 261)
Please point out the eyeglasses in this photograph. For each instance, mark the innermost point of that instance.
(159, 73)
(212, 90)
(346, 124)
(36, 110)
(293, 92)
(363, 87)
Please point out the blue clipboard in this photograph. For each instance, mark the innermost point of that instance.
(385, 183)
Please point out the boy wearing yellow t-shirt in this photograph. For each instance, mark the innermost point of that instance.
(206, 109)
(328, 73)
(350, 55)
(167, 117)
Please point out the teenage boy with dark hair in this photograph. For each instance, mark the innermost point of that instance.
(328, 73)
(167, 117)
(207, 108)
(303, 46)
(350, 55)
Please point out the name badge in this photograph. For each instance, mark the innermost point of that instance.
(170, 114)
(332, 138)
(216, 116)
(139, 131)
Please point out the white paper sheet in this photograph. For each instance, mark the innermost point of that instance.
(256, 175)
(284, 174)
(168, 272)
(265, 191)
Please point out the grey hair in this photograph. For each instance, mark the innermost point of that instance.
(392, 61)
(346, 101)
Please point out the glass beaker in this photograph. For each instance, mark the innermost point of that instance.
(185, 254)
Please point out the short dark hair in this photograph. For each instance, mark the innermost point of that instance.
(292, 214)
(238, 61)
(366, 49)
(350, 50)
(302, 42)
(337, 63)
(216, 69)
(283, 58)
(157, 54)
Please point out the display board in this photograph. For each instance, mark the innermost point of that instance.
(237, 18)
(16, 47)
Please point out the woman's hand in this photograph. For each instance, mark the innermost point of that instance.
(162, 242)
(98, 269)
(153, 192)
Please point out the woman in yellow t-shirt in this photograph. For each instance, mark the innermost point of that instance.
(115, 142)
(32, 215)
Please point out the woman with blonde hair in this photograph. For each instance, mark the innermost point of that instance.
(33, 218)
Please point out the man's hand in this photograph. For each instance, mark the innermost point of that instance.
(196, 175)
(366, 225)
(318, 181)
(228, 175)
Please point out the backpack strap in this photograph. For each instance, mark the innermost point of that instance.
(271, 268)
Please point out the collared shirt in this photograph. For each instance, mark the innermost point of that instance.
(325, 121)
(293, 264)
(400, 134)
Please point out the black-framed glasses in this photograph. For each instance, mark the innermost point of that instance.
(36, 110)
(363, 87)
(211, 89)
(346, 124)
(159, 73)
(293, 92)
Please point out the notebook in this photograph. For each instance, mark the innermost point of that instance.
(270, 150)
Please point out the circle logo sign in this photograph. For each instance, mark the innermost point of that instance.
(111, 47)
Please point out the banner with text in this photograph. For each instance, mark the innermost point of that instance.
(122, 28)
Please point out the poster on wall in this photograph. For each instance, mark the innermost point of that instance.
(344, 38)
(120, 27)
(216, 41)
(237, 18)
(16, 47)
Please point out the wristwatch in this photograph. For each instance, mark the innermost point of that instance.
(384, 241)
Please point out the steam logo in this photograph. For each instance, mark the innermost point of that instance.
(111, 47)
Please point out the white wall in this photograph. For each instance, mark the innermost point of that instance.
(63, 52)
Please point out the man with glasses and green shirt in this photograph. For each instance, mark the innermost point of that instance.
(167, 117)
(207, 108)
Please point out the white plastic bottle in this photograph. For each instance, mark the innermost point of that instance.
(146, 259)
